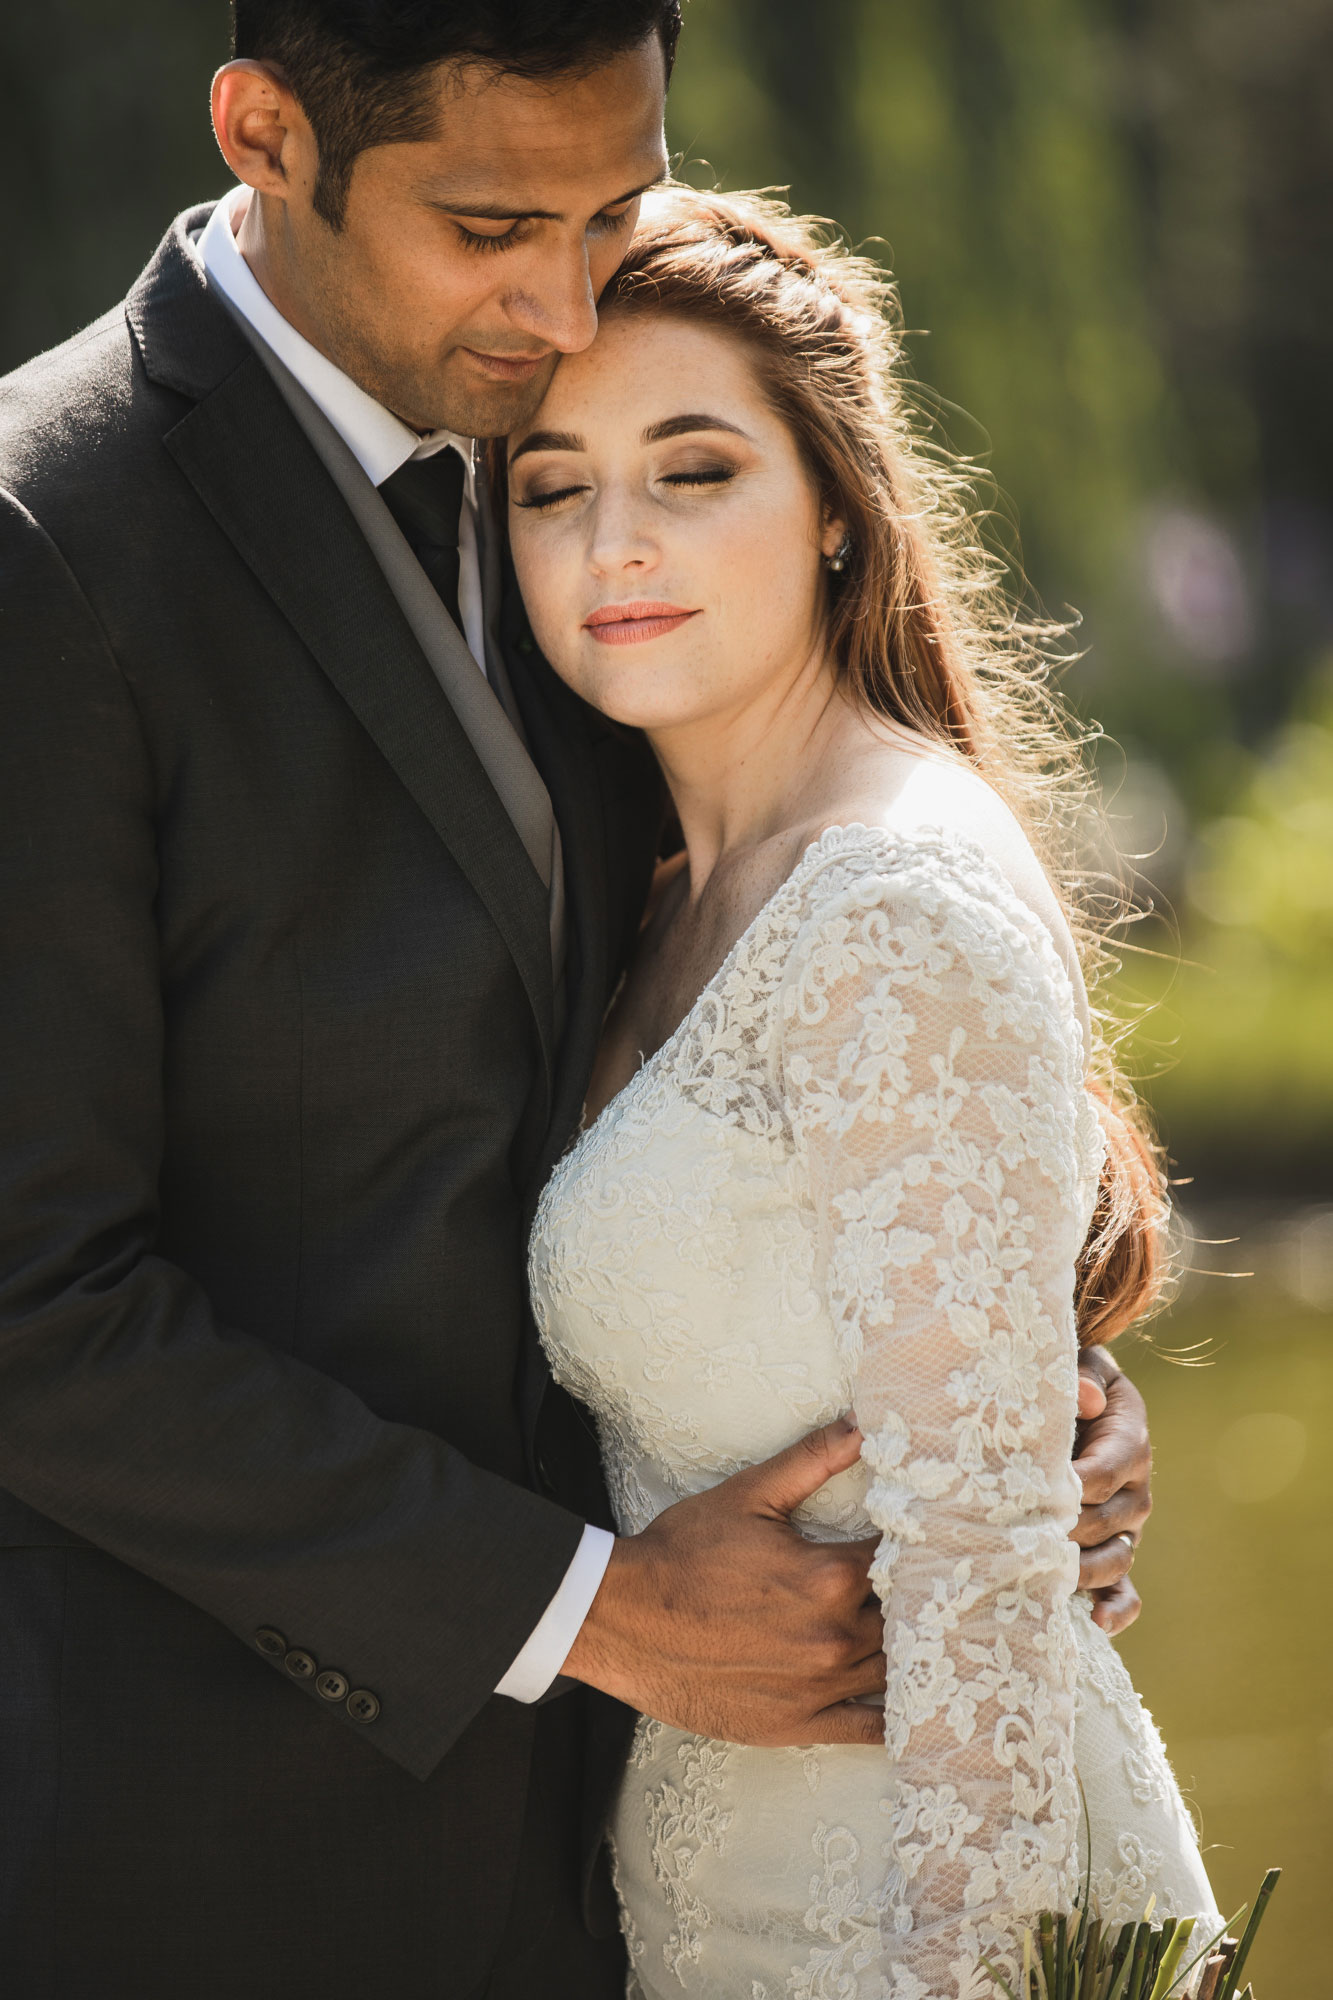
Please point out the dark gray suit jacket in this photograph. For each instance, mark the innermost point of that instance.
(280, 1089)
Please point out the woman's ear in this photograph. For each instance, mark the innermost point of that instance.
(833, 534)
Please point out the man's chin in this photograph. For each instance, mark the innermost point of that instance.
(466, 403)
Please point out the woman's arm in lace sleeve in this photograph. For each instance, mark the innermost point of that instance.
(934, 1075)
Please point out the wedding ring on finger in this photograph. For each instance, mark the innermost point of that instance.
(1128, 1540)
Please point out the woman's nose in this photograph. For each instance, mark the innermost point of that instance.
(620, 540)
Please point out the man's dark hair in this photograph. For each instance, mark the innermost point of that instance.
(361, 69)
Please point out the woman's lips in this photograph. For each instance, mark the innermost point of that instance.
(629, 624)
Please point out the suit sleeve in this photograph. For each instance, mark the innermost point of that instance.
(256, 1487)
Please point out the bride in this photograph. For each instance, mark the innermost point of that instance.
(853, 1142)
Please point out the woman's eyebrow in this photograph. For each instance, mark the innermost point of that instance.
(672, 427)
(548, 441)
(669, 427)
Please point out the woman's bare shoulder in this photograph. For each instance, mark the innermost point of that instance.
(912, 787)
(907, 785)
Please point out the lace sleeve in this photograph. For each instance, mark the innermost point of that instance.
(932, 1067)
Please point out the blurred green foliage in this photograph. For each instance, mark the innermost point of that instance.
(974, 148)
(1267, 871)
(1245, 1015)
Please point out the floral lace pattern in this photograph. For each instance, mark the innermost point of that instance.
(858, 1175)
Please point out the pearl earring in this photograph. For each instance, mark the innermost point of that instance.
(838, 562)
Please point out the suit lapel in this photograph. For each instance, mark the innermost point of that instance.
(562, 732)
(307, 551)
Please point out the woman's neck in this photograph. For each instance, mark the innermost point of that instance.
(741, 778)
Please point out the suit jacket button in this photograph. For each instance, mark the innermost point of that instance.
(332, 1685)
(362, 1705)
(300, 1665)
(269, 1640)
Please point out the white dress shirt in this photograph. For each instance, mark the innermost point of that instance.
(381, 442)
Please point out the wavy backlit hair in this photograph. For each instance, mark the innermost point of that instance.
(920, 624)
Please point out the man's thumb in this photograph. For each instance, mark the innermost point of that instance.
(782, 1482)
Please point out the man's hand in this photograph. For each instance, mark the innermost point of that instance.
(720, 1619)
(1114, 1462)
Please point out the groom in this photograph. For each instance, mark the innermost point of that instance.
(314, 885)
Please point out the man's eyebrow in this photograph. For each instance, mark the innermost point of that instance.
(494, 211)
(549, 441)
(674, 427)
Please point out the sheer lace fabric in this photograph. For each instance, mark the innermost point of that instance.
(858, 1176)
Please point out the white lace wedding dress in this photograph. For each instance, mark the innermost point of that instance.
(858, 1175)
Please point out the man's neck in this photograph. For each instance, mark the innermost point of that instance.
(263, 239)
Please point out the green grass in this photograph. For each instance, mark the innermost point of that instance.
(1232, 1650)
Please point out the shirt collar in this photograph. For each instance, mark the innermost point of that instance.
(379, 441)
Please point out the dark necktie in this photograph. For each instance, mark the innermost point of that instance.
(425, 497)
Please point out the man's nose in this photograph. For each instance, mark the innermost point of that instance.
(557, 304)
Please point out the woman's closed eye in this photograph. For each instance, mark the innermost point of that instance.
(542, 500)
(700, 475)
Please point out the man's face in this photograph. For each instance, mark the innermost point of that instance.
(469, 262)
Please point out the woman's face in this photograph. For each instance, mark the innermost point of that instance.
(666, 533)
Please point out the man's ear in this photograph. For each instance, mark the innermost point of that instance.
(265, 136)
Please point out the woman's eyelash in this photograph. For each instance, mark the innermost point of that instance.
(543, 500)
(707, 475)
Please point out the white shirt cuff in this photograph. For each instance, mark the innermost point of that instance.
(560, 1624)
